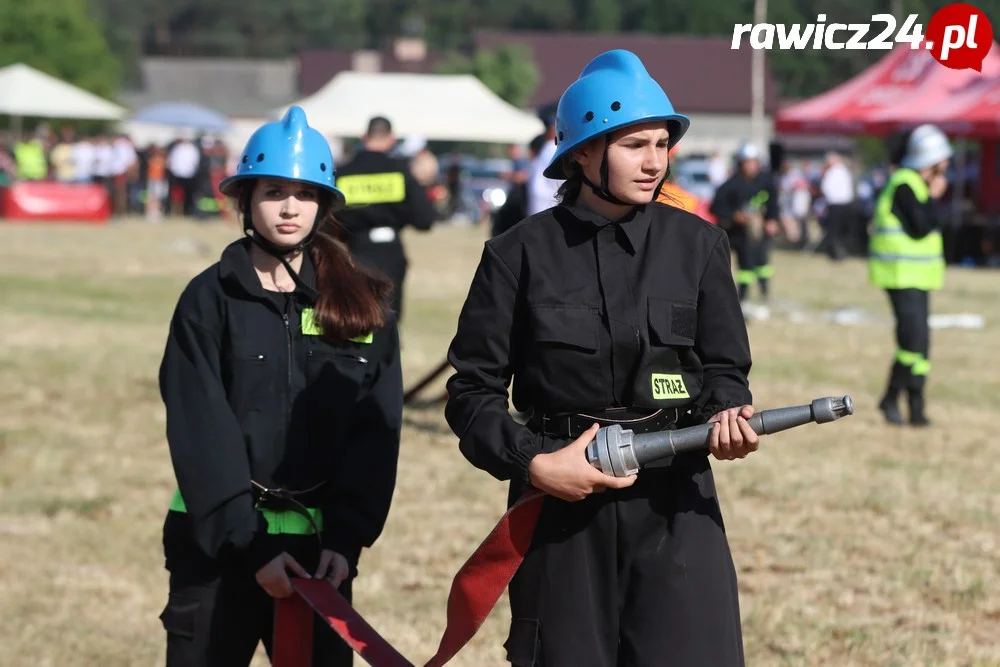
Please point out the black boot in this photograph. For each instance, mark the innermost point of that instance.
(889, 405)
(917, 415)
(899, 377)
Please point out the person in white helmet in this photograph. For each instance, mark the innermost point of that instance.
(746, 206)
(906, 258)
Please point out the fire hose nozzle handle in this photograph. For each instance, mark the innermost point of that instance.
(619, 452)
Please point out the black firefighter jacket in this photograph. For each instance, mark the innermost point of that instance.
(583, 313)
(251, 394)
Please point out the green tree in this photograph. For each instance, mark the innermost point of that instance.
(58, 38)
(510, 71)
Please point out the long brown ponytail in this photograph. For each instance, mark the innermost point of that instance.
(352, 299)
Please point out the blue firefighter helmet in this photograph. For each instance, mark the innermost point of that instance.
(613, 91)
(288, 149)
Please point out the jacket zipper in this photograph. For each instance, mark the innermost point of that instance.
(288, 340)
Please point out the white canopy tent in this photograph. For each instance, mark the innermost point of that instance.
(437, 107)
(24, 91)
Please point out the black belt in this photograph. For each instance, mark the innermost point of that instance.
(572, 425)
(282, 500)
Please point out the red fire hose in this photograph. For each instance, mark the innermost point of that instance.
(485, 576)
(474, 592)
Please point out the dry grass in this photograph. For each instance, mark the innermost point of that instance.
(857, 544)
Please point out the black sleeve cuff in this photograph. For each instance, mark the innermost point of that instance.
(702, 414)
(343, 540)
(262, 550)
(539, 444)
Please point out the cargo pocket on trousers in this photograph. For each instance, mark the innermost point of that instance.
(523, 643)
(180, 615)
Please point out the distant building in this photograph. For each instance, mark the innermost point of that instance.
(705, 78)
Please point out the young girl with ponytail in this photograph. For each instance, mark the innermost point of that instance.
(283, 393)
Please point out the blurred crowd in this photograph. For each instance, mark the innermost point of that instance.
(179, 178)
(826, 202)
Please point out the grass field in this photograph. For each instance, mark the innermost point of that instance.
(856, 543)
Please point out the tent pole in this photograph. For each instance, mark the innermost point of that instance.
(959, 186)
(757, 78)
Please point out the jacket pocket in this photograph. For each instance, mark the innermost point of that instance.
(672, 323)
(335, 377)
(523, 643)
(250, 381)
(180, 616)
(573, 326)
(671, 376)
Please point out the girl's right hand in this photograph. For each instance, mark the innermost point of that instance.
(273, 577)
(567, 475)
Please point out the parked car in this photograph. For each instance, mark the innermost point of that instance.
(692, 175)
(482, 184)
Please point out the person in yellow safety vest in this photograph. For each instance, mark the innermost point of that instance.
(906, 258)
(30, 159)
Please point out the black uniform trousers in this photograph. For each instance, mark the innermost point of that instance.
(217, 619)
(911, 307)
(837, 222)
(753, 261)
(637, 577)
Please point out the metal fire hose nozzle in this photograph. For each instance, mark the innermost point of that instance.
(620, 452)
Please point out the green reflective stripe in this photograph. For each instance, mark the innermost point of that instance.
(310, 328)
(177, 503)
(918, 363)
(308, 323)
(884, 257)
(758, 200)
(278, 523)
(208, 204)
(766, 271)
(292, 523)
(745, 277)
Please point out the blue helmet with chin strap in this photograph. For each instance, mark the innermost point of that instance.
(287, 149)
(613, 91)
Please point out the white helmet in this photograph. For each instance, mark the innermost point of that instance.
(926, 146)
(747, 151)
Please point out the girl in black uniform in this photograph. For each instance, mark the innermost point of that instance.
(610, 308)
(283, 393)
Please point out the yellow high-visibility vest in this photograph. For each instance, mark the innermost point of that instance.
(896, 260)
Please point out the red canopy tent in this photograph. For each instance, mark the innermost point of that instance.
(898, 90)
(972, 111)
(904, 89)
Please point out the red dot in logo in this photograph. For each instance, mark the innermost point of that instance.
(960, 36)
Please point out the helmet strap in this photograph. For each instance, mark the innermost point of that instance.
(281, 252)
(604, 192)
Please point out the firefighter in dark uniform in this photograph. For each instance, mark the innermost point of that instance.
(906, 259)
(382, 199)
(746, 206)
(610, 308)
(283, 393)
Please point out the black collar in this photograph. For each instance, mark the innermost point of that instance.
(236, 270)
(635, 224)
